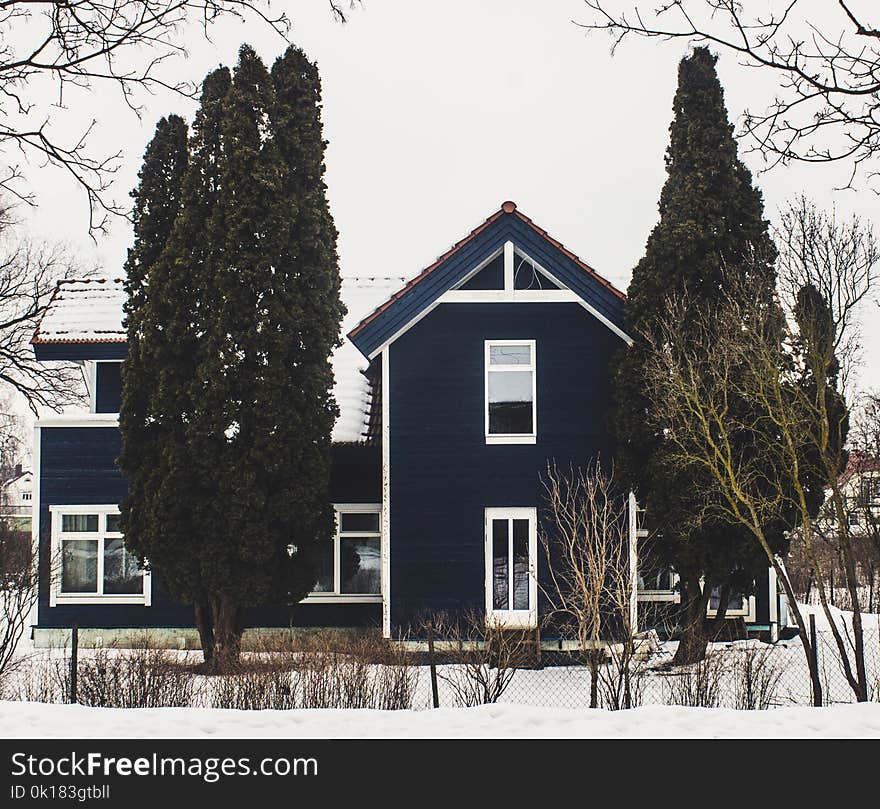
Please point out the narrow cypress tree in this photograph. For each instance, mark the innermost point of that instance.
(711, 234)
(250, 313)
(156, 413)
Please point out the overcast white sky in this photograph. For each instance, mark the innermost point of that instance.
(435, 113)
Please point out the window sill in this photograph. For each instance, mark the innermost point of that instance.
(60, 601)
(334, 598)
(659, 595)
(511, 439)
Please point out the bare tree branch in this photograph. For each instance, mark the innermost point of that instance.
(825, 59)
(129, 45)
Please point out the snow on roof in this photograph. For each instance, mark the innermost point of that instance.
(361, 295)
(84, 311)
(90, 311)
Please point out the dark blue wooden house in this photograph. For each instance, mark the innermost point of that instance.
(455, 389)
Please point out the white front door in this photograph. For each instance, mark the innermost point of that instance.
(511, 567)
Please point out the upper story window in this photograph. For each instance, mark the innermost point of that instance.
(511, 414)
(90, 558)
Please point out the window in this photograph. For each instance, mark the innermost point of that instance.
(737, 605)
(26, 495)
(511, 584)
(511, 416)
(656, 581)
(854, 518)
(350, 568)
(91, 560)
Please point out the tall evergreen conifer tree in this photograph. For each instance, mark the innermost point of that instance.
(711, 233)
(249, 286)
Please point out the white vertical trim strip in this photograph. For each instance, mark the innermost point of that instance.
(508, 265)
(35, 521)
(54, 557)
(386, 494)
(633, 563)
(772, 588)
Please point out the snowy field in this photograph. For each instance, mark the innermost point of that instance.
(36, 720)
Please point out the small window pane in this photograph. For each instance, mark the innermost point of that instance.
(490, 277)
(653, 573)
(324, 566)
(735, 602)
(520, 564)
(500, 581)
(71, 523)
(359, 523)
(113, 523)
(79, 566)
(527, 276)
(361, 566)
(510, 355)
(510, 403)
(122, 573)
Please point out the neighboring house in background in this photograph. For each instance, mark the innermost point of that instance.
(860, 488)
(454, 388)
(16, 500)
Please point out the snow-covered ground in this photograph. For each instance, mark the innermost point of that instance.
(38, 720)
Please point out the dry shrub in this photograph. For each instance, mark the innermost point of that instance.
(697, 685)
(362, 671)
(42, 677)
(140, 677)
(483, 657)
(255, 689)
(320, 670)
(329, 670)
(756, 678)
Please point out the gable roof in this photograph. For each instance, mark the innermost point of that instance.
(506, 224)
(87, 314)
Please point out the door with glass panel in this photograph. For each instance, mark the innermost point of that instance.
(511, 583)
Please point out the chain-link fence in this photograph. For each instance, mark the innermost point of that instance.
(743, 675)
(368, 672)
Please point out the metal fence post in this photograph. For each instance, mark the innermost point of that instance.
(434, 694)
(814, 666)
(74, 653)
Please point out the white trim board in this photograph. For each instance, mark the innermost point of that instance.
(80, 420)
(507, 295)
(386, 494)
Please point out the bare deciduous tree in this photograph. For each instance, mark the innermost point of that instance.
(800, 414)
(60, 48)
(484, 655)
(18, 585)
(29, 275)
(590, 580)
(824, 58)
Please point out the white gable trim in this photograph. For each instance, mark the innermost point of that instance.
(506, 295)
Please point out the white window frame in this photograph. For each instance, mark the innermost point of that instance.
(522, 619)
(336, 597)
(746, 611)
(56, 596)
(672, 595)
(510, 438)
